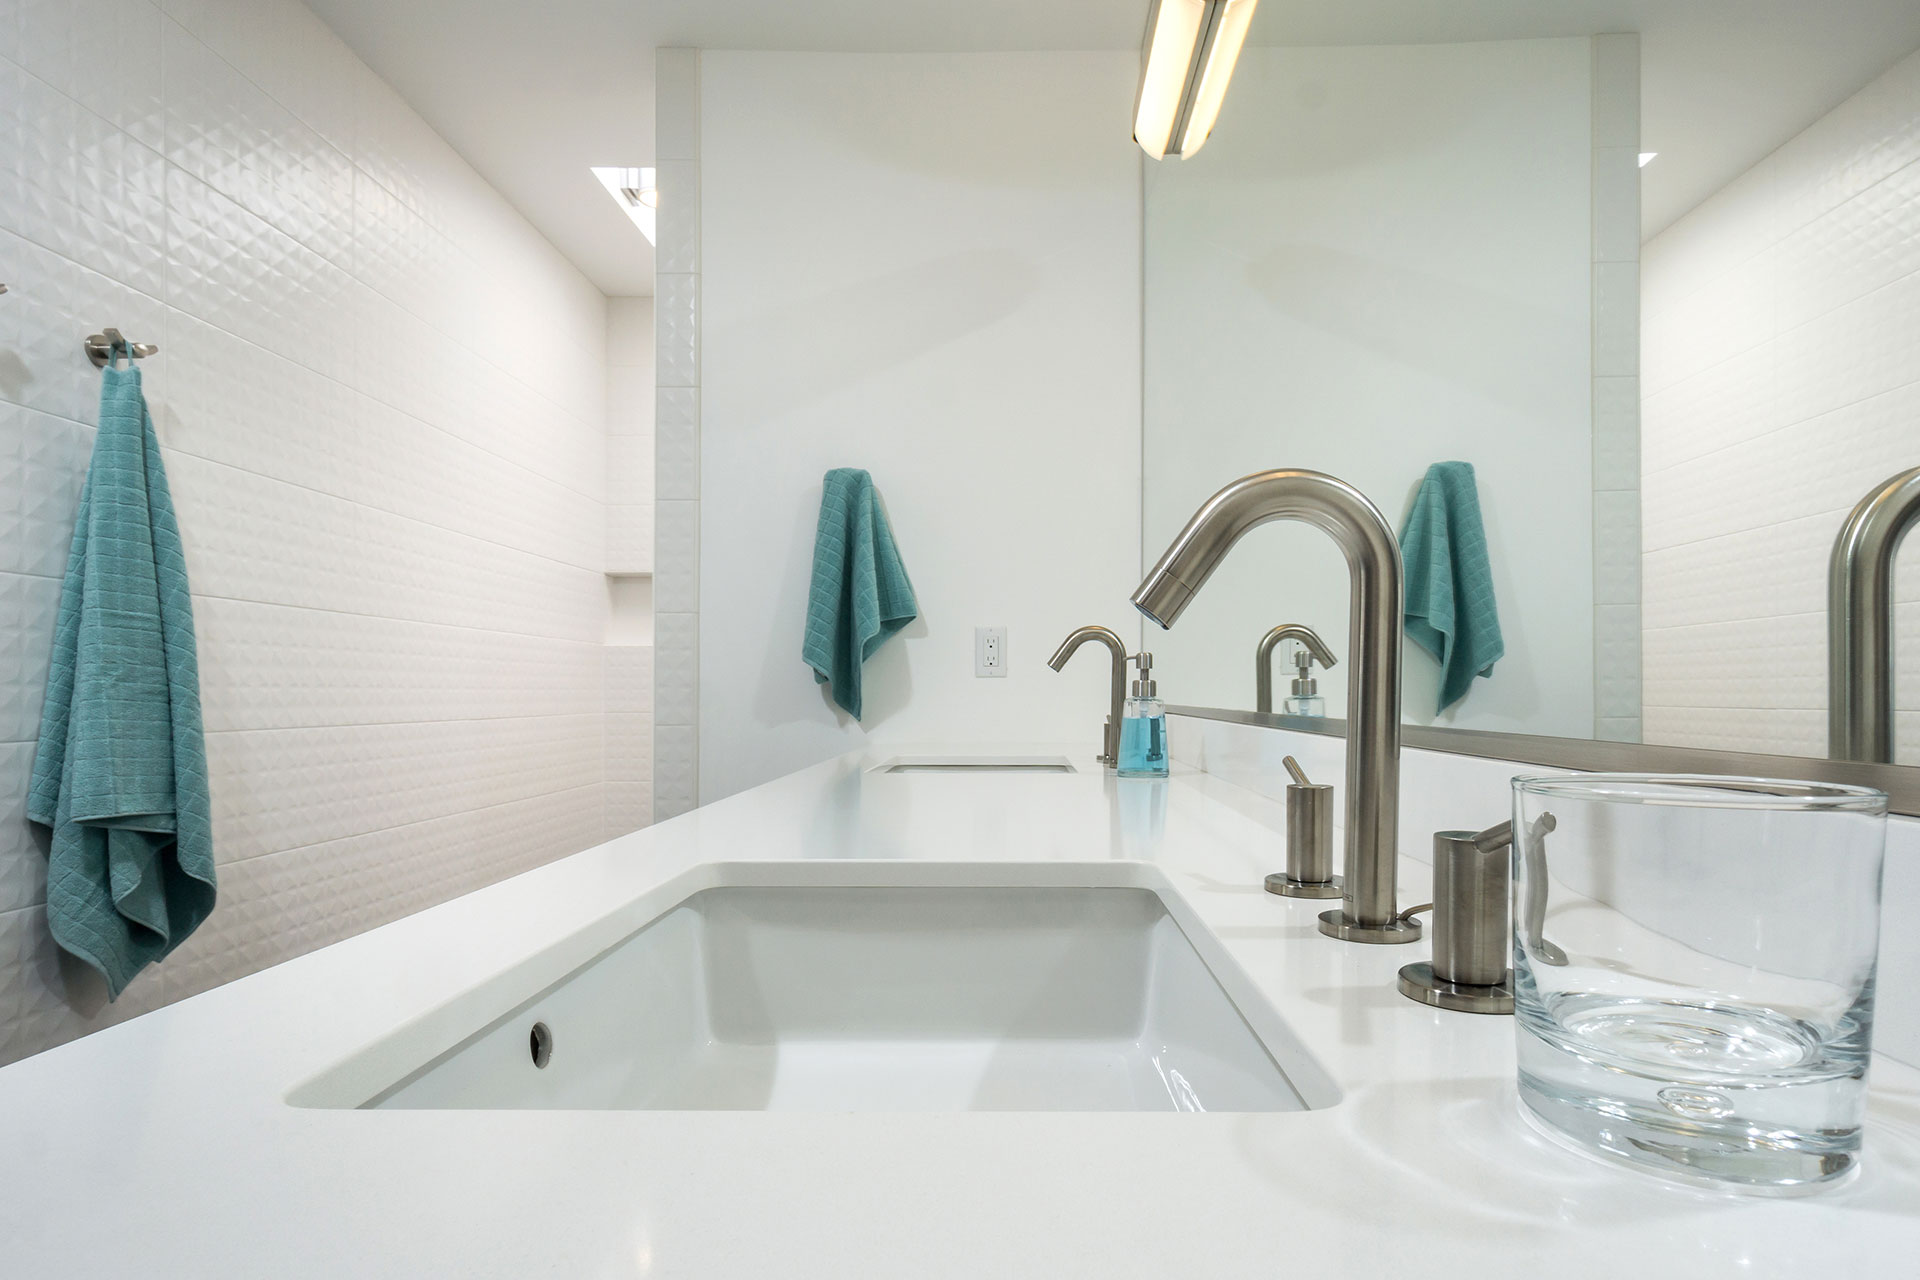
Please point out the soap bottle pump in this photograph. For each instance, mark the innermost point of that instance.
(1143, 729)
(1305, 699)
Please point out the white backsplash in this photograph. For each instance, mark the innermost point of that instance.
(1440, 791)
(381, 396)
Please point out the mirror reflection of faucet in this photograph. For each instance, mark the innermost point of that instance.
(1305, 699)
(1117, 694)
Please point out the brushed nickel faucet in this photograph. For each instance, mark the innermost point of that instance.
(1860, 621)
(1110, 737)
(1263, 660)
(1369, 910)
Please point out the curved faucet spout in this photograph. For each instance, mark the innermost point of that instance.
(1110, 736)
(1263, 659)
(1370, 912)
(1860, 621)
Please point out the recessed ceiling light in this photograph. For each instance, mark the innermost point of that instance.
(1186, 62)
(1645, 156)
(636, 191)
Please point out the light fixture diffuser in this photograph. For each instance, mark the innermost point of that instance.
(1186, 62)
(636, 191)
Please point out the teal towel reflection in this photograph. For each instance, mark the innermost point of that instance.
(1450, 607)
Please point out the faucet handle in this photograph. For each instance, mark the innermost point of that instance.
(1468, 972)
(1309, 872)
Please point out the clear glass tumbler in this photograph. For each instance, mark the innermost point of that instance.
(1693, 971)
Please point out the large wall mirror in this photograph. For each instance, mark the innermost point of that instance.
(1661, 292)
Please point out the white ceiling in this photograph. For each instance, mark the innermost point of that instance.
(534, 94)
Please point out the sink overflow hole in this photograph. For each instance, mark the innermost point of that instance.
(540, 1044)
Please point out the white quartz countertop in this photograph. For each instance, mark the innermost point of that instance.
(166, 1147)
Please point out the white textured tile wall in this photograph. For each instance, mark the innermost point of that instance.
(630, 467)
(630, 543)
(629, 741)
(1617, 690)
(676, 534)
(1781, 382)
(381, 395)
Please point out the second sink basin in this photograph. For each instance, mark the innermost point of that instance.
(976, 764)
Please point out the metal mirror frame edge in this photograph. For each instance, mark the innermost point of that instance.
(1900, 782)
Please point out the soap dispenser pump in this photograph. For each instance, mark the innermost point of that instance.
(1143, 730)
(1305, 699)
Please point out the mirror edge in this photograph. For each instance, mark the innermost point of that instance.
(1900, 782)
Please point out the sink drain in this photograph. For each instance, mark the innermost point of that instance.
(540, 1044)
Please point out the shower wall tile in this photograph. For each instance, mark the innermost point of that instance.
(285, 904)
(676, 316)
(23, 846)
(35, 603)
(383, 399)
(679, 220)
(1616, 434)
(269, 666)
(1781, 320)
(289, 787)
(630, 551)
(630, 470)
(629, 806)
(224, 130)
(675, 552)
(630, 388)
(630, 539)
(52, 304)
(677, 442)
(676, 777)
(101, 53)
(1615, 402)
(676, 578)
(1616, 319)
(676, 680)
(629, 679)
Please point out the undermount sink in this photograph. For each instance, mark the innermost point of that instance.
(900, 997)
(976, 764)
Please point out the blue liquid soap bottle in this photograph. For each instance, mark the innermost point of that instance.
(1143, 729)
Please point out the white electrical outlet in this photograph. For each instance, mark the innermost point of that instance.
(990, 653)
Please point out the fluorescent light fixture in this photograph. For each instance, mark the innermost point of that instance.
(1645, 156)
(1186, 62)
(636, 191)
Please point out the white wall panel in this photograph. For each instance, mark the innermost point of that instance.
(954, 305)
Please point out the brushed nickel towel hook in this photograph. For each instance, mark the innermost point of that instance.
(102, 347)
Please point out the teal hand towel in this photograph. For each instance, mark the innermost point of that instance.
(860, 594)
(1450, 608)
(120, 775)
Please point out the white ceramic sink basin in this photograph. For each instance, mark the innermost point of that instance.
(904, 997)
(976, 764)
